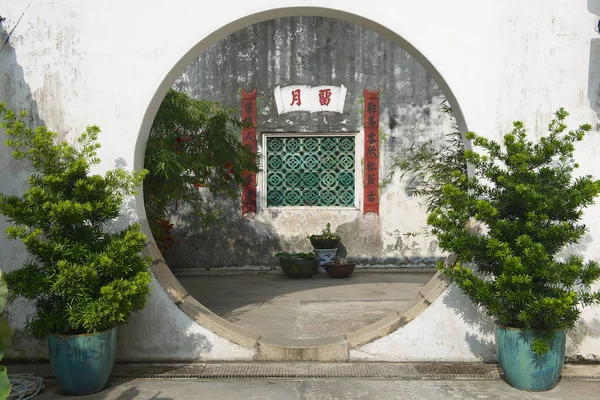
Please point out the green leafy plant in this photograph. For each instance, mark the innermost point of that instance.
(162, 235)
(82, 277)
(5, 333)
(529, 207)
(431, 165)
(325, 234)
(193, 144)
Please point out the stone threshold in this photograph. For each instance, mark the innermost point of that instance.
(313, 370)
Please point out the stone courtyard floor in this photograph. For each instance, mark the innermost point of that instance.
(269, 303)
(327, 381)
(329, 390)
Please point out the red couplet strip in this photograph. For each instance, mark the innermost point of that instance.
(371, 154)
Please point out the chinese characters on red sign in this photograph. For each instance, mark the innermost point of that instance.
(371, 170)
(249, 139)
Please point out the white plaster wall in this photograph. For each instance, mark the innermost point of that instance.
(162, 332)
(109, 63)
(450, 329)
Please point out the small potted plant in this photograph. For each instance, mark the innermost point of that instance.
(326, 239)
(325, 245)
(83, 278)
(529, 206)
(339, 268)
(298, 265)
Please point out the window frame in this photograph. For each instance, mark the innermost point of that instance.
(262, 175)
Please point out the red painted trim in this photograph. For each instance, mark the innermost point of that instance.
(249, 115)
(249, 96)
(371, 152)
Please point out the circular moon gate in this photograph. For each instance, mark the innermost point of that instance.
(327, 349)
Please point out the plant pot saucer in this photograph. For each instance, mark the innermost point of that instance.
(339, 269)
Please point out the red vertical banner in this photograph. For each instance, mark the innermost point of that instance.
(249, 139)
(371, 155)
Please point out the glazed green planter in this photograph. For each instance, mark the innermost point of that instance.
(523, 368)
(298, 268)
(82, 363)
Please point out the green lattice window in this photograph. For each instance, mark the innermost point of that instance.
(310, 171)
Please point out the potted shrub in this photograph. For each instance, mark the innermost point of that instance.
(326, 239)
(298, 265)
(528, 205)
(83, 278)
(325, 245)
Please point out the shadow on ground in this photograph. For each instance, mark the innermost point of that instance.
(223, 293)
(273, 305)
(476, 319)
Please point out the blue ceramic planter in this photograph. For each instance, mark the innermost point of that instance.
(523, 368)
(82, 363)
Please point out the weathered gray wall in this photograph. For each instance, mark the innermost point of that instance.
(315, 51)
(312, 51)
(17, 94)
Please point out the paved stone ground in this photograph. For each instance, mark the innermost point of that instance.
(312, 389)
(279, 307)
(326, 381)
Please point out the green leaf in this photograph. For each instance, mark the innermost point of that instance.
(3, 293)
(5, 330)
(4, 383)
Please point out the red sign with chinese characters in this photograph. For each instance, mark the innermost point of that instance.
(249, 139)
(371, 155)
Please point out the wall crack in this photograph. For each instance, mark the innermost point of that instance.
(14, 27)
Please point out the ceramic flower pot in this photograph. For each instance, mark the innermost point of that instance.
(523, 368)
(319, 243)
(339, 269)
(82, 363)
(325, 256)
(298, 268)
